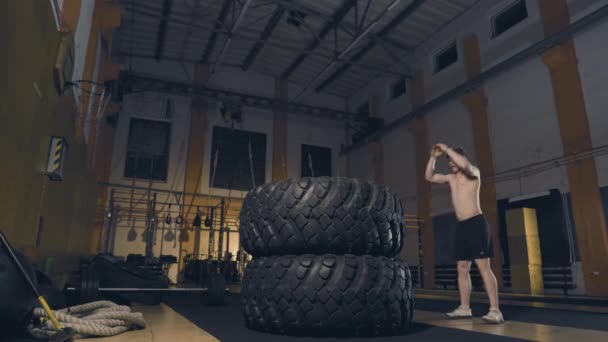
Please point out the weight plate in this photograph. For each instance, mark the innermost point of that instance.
(89, 284)
(216, 289)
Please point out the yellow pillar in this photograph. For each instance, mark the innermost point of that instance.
(375, 148)
(476, 103)
(194, 160)
(106, 17)
(279, 132)
(524, 251)
(423, 187)
(587, 209)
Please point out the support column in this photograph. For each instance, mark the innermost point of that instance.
(419, 129)
(279, 132)
(70, 12)
(101, 134)
(476, 103)
(576, 137)
(376, 148)
(195, 157)
(524, 251)
(348, 131)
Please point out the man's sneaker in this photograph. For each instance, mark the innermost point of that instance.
(460, 313)
(494, 316)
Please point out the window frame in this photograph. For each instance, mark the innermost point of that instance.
(501, 9)
(331, 157)
(209, 162)
(169, 124)
(392, 85)
(445, 48)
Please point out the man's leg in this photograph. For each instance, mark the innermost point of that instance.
(464, 287)
(489, 281)
(464, 283)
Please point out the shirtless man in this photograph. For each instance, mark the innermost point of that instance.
(473, 238)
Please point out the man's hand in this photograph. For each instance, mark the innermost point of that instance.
(436, 152)
(442, 147)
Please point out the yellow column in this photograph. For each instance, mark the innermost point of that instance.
(423, 188)
(194, 160)
(279, 132)
(524, 251)
(375, 147)
(575, 134)
(107, 17)
(476, 103)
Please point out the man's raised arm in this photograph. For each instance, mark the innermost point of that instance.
(460, 160)
(430, 174)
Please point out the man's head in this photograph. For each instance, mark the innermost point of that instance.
(453, 166)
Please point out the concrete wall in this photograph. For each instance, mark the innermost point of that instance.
(522, 117)
(32, 112)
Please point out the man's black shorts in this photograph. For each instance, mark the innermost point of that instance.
(473, 239)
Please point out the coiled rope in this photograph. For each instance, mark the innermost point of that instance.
(96, 319)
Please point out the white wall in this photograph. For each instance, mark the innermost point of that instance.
(81, 39)
(300, 130)
(524, 128)
(400, 166)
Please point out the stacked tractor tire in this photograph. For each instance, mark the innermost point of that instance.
(324, 259)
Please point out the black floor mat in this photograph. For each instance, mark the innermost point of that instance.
(573, 319)
(585, 301)
(226, 324)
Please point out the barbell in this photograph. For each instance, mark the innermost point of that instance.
(89, 289)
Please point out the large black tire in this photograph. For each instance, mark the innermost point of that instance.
(322, 215)
(16, 296)
(327, 295)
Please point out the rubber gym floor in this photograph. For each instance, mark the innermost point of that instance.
(556, 318)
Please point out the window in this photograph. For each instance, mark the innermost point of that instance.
(509, 17)
(233, 170)
(363, 109)
(398, 88)
(148, 149)
(316, 161)
(445, 58)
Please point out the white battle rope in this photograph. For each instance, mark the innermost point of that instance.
(96, 319)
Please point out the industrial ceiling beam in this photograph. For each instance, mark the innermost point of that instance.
(162, 29)
(172, 57)
(132, 82)
(259, 45)
(406, 13)
(505, 66)
(329, 25)
(175, 19)
(233, 30)
(218, 25)
(350, 46)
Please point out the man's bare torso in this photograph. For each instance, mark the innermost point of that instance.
(465, 196)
